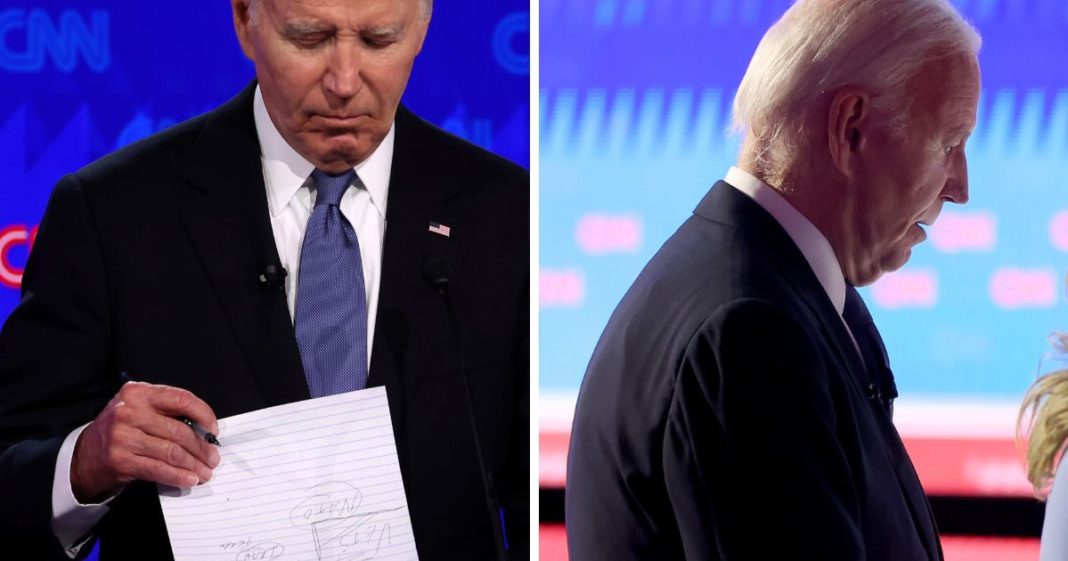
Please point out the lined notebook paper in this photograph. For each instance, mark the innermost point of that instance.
(312, 480)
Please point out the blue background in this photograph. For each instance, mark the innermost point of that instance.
(635, 99)
(79, 79)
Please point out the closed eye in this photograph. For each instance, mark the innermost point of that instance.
(307, 35)
(380, 39)
(954, 148)
(311, 41)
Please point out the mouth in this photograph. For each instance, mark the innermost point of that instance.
(922, 227)
(340, 120)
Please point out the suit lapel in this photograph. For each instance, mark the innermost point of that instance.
(727, 205)
(224, 211)
(410, 313)
(730, 206)
(907, 478)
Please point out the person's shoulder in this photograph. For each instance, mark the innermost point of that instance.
(157, 155)
(450, 154)
(163, 155)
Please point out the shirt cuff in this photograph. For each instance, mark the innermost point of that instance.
(72, 521)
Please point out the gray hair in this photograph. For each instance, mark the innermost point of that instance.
(819, 46)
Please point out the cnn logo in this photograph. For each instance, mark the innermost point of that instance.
(11, 237)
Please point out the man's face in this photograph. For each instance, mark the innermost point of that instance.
(332, 71)
(902, 181)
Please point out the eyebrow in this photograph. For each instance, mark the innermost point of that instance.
(299, 28)
(303, 27)
(963, 130)
(385, 31)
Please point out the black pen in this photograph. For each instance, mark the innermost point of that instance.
(200, 431)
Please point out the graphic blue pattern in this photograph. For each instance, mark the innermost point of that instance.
(79, 80)
(635, 103)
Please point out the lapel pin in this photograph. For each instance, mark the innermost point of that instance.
(439, 229)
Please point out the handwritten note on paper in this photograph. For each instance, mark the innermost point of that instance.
(314, 480)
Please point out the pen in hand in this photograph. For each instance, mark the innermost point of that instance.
(200, 431)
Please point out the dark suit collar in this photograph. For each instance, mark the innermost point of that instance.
(227, 219)
(725, 205)
(229, 133)
(224, 211)
(424, 187)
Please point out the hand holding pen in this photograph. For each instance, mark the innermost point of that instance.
(144, 433)
(200, 431)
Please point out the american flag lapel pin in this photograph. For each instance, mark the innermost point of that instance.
(439, 229)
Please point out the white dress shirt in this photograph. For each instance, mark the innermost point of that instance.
(1054, 544)
(812, 243)
(290, 200)
(287, 176)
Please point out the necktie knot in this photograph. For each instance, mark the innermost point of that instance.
(330, 188)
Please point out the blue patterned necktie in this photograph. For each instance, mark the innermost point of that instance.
(331, 314)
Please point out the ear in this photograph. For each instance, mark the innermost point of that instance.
(847, 129)
(243, 25)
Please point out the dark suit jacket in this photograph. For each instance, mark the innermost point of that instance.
(148, 261)
(723, 414)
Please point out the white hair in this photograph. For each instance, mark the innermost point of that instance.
(819, 46)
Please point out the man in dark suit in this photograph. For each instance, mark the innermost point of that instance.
(166, 263)
(738, 404)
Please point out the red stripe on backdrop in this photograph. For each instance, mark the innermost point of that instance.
(987, 467)
(553, 547)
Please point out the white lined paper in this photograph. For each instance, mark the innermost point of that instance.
(314, 480)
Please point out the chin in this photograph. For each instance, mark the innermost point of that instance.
(340, 154)
(893, 262)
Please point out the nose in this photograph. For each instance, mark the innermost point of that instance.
(956, 188)
(343, 78)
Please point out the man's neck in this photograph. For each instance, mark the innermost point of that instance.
(828, 205)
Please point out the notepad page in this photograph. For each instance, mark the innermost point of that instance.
(314, 480)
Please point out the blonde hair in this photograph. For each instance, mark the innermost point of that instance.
(1043, 422)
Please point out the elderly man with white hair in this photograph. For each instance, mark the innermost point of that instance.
(738, 404)
(297, 242)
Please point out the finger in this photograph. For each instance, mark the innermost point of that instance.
(156, 471)
(176, 432)
(171, 454)
(175, 402)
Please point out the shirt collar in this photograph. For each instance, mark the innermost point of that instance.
(812, 243)
(285, 171)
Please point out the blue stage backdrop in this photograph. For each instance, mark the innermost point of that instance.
(81, 78)
(635, 101)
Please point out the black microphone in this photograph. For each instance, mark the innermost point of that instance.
(438, 274)
(273, 277)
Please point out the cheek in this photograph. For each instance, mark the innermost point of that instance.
(388, 78)
(931, 184)
(290, 77)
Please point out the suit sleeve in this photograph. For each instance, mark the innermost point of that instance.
(517, 496)
(55, 352)
(750, 447)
